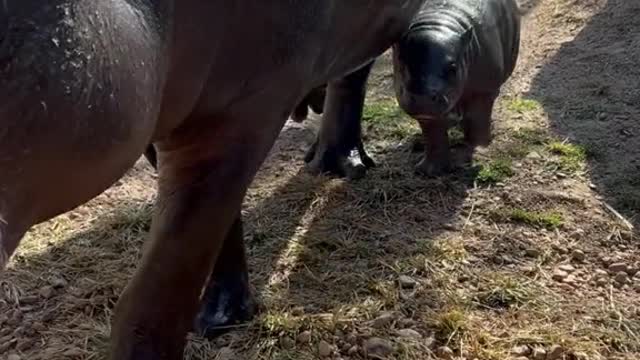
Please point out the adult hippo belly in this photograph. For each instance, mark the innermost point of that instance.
(86, 85)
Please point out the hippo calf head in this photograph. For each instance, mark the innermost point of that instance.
(430, 70)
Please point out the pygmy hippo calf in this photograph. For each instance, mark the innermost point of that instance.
(455, 57)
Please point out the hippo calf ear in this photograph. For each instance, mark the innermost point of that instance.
(465, 38)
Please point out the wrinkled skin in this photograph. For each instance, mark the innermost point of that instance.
(85, 86)
(454, 58)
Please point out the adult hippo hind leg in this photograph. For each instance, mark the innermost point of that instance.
(206, 168)
(338, 148)
(227, 298)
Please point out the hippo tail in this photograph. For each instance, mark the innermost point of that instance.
(4, 24)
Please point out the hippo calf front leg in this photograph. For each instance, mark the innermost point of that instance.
(338, 148)
(476, 120)
(436, 159)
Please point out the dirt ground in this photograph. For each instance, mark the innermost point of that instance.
(529, 254)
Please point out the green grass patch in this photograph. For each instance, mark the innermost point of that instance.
(549, 220)
(520, 105)
(495, 171)
(456, 136)
(504, 292)
(384, 119)
(450, 324)
(571, 156)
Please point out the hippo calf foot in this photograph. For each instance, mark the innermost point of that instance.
(433, 167)
(352, 165)
(226, 305)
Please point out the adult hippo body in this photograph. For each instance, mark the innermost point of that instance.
(86, 85)
(455, 57)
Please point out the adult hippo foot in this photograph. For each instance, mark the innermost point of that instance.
(433, 168)
(227, 303)
(338, 148)
(352, 164)
(227, 300)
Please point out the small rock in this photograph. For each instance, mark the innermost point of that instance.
(73, 353)
(600, 272)
(13, 357)
(521, 358)
(606, 260)
(521, 350)
(534, 155)
(429, 342)
(304, 337)
(383, 320)
(569, 280)
(578, 255)
(406, 323)
(409, 333)
(324, 349)
(538, 353)
(567, 268)
(621, 277)
(632, 270)
(559, 275)
(602, 281)
(617, 267)
(297, 311)
(579, 355)
(29, 300)
(555, 352)
(577, 234)
(353, 350)
(407, 282)
(533, 253)
(58, 282)
(46, 292)
(287, 343)
(445, 352)
(636, 288)
(377, 348)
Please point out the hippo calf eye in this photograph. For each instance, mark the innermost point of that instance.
(451, 69)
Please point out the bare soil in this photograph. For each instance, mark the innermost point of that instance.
(532, 251)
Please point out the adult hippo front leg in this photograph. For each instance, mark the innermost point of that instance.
(204, 172)
(338, 148)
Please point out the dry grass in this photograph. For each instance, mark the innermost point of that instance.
(326, 254)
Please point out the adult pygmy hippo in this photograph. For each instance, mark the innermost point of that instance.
(86, 85)
(455, 56)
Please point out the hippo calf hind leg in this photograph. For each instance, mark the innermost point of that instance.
(338, 148)
(227, 299)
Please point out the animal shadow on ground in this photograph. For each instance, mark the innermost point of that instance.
(325, 249)
(589, 90)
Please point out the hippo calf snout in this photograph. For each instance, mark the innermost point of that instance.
(432, 102)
